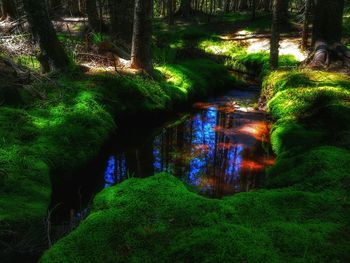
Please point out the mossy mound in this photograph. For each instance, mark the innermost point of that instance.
(40, 138)
(159, 220)
(302, 215)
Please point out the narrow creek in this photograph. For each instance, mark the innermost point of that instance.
(219, 147)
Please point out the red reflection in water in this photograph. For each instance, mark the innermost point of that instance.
(257, 129)
(218, 149)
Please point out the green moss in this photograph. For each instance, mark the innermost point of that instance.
(158, 218)
(301, 215)
(65, 130)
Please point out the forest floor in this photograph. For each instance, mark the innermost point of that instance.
(300, 215)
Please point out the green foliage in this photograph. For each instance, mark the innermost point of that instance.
(158, 218)
(301, 215)
(67, 129)
(29, 62)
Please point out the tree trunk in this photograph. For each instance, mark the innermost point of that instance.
(185, 9)
(8, 9)
(45, 34)
(227, 6)
(328, 21)
(170, 12)
(306, 22)
(56, 7)
(275, 33)
(73, 8)
(141, 57)
(93, 18)
(253, 9)
(284, 14)
(122, 19)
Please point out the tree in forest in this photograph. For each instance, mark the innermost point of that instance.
(171, 12)
(185, 9)
(141, 57)
(91, 10)
(306, 24)
(327, 33)
(278, 5)
(8, 8)
(53, 56)
(122, 21)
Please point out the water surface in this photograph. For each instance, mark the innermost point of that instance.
(219, 148)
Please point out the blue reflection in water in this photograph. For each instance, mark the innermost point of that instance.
(204, 142)
(198, 150)
(109, 174)
(116, 170)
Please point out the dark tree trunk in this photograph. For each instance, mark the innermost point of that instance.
(122, 20)
(327, 34)
(227, 6)
(73, 8)
(141, 57)
(45, 34)
(94, 20)
(8, 9)
(56, 7)
(275, 33)
(170, 12)
(185, 9)
(253, 7)
(267, 5)
(328, 21)
(306, 23)
(284, 14)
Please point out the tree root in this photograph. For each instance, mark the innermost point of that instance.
(324, 55)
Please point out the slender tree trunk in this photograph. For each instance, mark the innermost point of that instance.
(227, 6)
(56, 7)
(141, 57)
(170, 12)
(122, 20)
(45, 34)
(284, 14)
(253, 9)
(185, 8)
(91, 11)
(275, 33)
(306, 22)
(73, 8)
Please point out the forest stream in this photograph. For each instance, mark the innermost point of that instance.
(219, 147)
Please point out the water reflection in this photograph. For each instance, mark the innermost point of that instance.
(220, 149)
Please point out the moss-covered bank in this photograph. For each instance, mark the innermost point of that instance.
(65, 130)
(301, 215)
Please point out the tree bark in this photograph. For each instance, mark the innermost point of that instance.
(122, 19)
(284, 14)
(185, 9)
(328, 21)
(306, 22)
(275, 33)
(44, 32)
(93, 18)
(141, 57)
(170, 12)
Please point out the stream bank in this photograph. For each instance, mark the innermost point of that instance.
(305, 195)
(66, 130)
